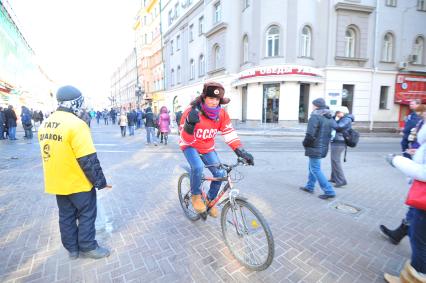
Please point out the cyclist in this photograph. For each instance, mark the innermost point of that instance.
(198, 128)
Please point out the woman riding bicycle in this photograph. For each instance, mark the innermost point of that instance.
(198, 127)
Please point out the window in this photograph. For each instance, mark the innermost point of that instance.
(421, 5)
(245, 49)
(305, 42)
(350, 43)
(246, 4)
(388, 48)
(176, 10)
(217, 12)
(170, 17)
(171, 47)
(201, 65)
(191, 33)
(391, 3)
(172, 77)
(146, 38)
(384, 90)
(191, 69)
(200, 25)
(418, 50)
(272, 41)
(178, 75)
(217, 52)
(178, 42)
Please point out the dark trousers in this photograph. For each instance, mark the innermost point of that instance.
(79, 207)
(404, 147)
(417, 233)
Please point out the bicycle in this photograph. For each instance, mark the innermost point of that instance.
(247, 236)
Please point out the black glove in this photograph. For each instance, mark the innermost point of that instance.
(240, 152)
(191, 120)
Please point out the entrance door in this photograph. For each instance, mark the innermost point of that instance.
(348, 96)
(271, 99)
(244, 104)
(304, 103)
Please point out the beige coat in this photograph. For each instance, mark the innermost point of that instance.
(122, 121)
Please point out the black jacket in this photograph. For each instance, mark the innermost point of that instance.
(344, 124)
(131, 118)
(149, 118)
(10, 117)
(318, 133)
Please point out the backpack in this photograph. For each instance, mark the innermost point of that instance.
(351, 137)
(26, 119)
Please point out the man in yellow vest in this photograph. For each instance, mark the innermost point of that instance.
(73, 173)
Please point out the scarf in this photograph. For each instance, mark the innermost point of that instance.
(211, 112)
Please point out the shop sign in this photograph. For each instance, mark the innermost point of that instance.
(410, 87)
(280, 71)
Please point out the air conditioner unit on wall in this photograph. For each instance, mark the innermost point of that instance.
(402, 65)
(412, 58)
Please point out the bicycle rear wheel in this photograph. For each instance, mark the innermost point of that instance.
(247, 235)
(184, 192)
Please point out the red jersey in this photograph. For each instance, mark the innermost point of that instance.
(205, 132)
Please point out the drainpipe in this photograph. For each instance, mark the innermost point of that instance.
(373, 79)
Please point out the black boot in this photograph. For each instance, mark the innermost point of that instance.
(395, 236)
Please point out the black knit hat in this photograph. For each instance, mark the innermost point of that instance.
(67, 93)
(319, 102)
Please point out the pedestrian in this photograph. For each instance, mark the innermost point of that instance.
(122, 122)
(41, 116)
(317, 139)
(73, 173)
(410, 122)
(150, 126)
(105, 115)
(98, 116)
(395, 236)
(26, 122)
(84, 115)
(11, 122)
(414, 270)
(113, 115)
(178, 116)
(164, 124)
(138, 118)
(338, 146)
(203, 120)
(131, 117)
(2, 123)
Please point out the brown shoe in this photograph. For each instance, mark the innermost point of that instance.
(198, 204)
(213, 210)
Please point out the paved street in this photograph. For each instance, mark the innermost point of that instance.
(151, 240)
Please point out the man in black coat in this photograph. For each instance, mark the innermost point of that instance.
(410, 123)
(2, 123)
(11, 122)
(316, 142)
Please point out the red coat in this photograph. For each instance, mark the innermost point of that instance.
(205, 132)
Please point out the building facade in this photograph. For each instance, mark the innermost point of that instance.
(274, 57)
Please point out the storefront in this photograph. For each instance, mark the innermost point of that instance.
(409, 86)
(278, 94)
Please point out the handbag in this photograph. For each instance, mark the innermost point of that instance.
(417, 195)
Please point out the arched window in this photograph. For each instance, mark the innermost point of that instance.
(245, 49)
(272, 41)
(350, 40)
(419, 49)
(201, 65)
(217, 51)
(388, 47)
(172, 77)
(178, 79)
(305, 42)
(191, 69)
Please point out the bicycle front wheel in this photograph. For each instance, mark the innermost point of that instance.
(184, 192)
(247, 235)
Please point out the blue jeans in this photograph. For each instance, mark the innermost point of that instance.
(131, 130)
(12, 133)
(417, 233)
(150, 134)
(315, 174)
(197, 166)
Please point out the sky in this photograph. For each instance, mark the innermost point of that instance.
(79, 42)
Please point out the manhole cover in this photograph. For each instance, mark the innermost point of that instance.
(346, 208)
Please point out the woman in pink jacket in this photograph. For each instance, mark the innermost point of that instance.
(164, 124)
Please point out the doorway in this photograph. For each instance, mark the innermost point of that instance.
(271, 99)
(244, 104)
(304, 103)
(348, 96)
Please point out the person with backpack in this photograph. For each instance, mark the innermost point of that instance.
(338, 145)
(26, 122)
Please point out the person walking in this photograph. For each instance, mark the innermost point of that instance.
(98, 116)
(338, 146)
(122, 122)
(26, 122)
(178, 116)
(84, 115)
(150, 126)
(164, 124)
(105, 115)
(316, 142)
(2, 123)
(131, 117)
(138, 118)
(11, 122)
(73, 173)
(415, 269)
(410, 122)
(113, 115)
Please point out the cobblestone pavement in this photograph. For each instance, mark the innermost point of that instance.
(151, 240)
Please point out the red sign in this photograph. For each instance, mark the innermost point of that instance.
(409, 87)
(279, 71)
